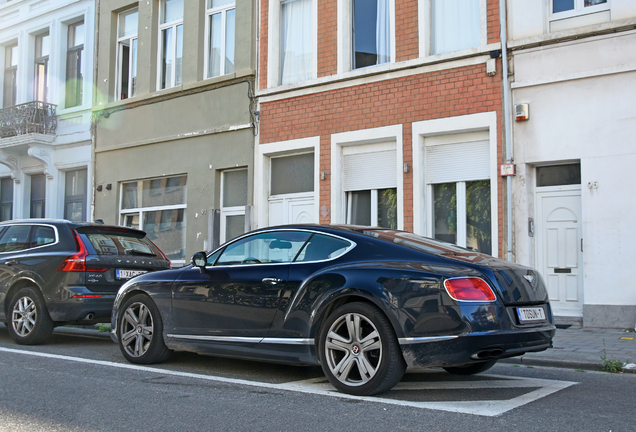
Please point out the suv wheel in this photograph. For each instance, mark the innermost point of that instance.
(29, 320)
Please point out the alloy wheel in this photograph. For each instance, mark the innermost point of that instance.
(136, 329)
(24, 316)
(353, 349)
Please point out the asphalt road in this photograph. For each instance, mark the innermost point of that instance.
(77, 383)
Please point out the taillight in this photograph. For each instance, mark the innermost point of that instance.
(87, 296)
(77, 261)
(469, 289)
(161, 252)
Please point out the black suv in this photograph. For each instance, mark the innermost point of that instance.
(56, 272)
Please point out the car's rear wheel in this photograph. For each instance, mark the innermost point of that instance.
(29, 320)
(471, 369)
(359, 352)
(140, 331)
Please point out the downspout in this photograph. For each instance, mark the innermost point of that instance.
(507, 121)
(93, 117)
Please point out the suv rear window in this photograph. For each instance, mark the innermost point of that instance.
(117, 243)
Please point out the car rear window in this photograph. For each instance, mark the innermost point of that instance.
(118, 243)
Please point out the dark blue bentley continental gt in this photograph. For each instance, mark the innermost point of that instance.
(364, 303)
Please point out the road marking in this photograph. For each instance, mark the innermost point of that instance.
(320, 386)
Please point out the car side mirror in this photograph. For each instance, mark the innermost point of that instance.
(200, 260)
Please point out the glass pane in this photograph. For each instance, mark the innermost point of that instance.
(387, 208)
(166, 59)
(124, 79)
(128, 22)
(292, 174)
(559, 175)
(360, 207)
(165, 191)
(229, 42)
(478, 219)
(42, 45)
(75, 183)
(37, 209)
(234, 226)
(11, 56)
(119, 243)
(322, 247)
(445, 212)
(76, 34)
(167, 231)
(131, 220)
(296, 41)
(234, 188)
(172, 10)
(6, 212)
(6, 198)
(562, 5)
(219, 3)
(74, 211)
(456, 25)
(130, 198)
(43, 236)
(594, 2)
(41, 81)
(365, 26)
(38, 187)
(214, 61)
(178, 61)
(14, 238)
(133, 59)
(272, 247)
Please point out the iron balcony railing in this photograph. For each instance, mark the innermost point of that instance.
(30, 117)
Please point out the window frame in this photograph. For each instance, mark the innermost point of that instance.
(4, 201)
(223, 10)
(76, 81)
(42, 201)
(13, 70)
(139, 211)
(81, 198)
(172, 50)
(41, 60)
(231, 210)
(579, 9)
(132, 39)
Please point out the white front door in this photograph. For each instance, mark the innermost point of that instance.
(291, 209)
(559, 247)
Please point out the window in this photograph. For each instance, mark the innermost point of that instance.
(42, 47)
(455, 25)
(221, 29)
(371, 33)
(6, 199)
(10, 86)
(75, 195)
(38, 196)
(75, 65)
(158, 207)
(127, 54)
(559, 175)
(14, 238)
(233, 202)
(298, 168)
(323, 247)
(265, 248)
(296, 41)
(579, 6)
(120, 243)
(375, 207)
(170, 43)
(43, 235)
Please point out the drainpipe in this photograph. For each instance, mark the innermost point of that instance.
(507, 120)
(94, 119)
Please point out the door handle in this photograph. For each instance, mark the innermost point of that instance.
(272, 280)
(10, 262)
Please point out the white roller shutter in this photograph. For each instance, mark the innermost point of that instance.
(466, 161)
(373, 170)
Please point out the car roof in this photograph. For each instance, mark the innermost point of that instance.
(70, 224)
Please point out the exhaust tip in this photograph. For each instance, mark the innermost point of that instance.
(487, 354)
(89, 316)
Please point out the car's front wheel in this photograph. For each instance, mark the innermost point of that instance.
(29, 320)
(139, 331)
(359, 352)
(471, 369)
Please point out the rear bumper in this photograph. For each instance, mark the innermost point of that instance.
(78, 309)
(475, 347)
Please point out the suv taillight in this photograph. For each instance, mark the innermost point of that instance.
(77, 261)
(469, 289)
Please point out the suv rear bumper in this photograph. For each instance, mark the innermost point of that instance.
(87, 310)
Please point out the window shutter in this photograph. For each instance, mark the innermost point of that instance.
(466, 161)
(374, 170)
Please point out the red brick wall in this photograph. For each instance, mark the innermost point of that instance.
(441, 94)
(406, 32)
(327, 37)
(493, 21)
(262, 80)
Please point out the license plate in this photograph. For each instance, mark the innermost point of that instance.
(128, 274)
(531, 314)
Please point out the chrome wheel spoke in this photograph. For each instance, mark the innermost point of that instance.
(24, 316)
(130, 316)
(344, 368)
(127, 337)
(367, 371)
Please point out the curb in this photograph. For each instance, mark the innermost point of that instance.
(562, 364)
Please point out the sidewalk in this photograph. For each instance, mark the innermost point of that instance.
(574, 348)
(582, 348)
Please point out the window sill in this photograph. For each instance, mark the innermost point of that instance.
(583, 20)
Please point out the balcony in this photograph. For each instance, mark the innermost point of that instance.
(31, 117)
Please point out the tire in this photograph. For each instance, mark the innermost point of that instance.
(29, 322)
(359, 352)
(140, 331)
(471, 369)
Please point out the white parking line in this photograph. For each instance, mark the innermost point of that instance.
(319, 386)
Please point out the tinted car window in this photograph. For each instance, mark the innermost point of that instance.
(43, 235)
(322, 247)
(120, 244)
(269, 247)
(14, 238)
